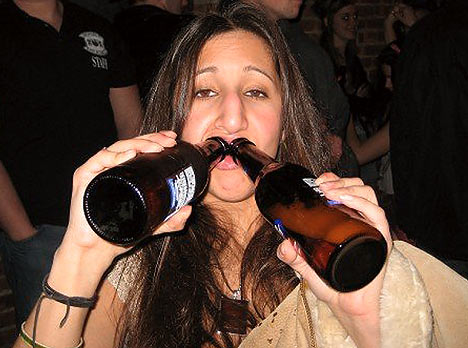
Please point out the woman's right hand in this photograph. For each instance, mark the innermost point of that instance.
(80, 238)
(392, 16)
(402, 13)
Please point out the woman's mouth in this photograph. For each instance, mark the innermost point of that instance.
(227, 163)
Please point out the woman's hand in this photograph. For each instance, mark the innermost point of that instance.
(358, 311)
(403, 13)
(79, 236)
(391, 17)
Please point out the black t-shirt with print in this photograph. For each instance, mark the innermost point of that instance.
(54, 102)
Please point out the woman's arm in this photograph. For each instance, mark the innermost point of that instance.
(372, 148)
(389, 31)
(13, 217)
(83, 257)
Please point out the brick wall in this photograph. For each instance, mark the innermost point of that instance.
(370, 42)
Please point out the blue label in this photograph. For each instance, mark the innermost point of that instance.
(278, 224)
(170, 184)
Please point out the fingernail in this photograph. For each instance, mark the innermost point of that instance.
(153, 148)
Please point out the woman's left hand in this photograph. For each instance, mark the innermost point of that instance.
(405, 14)
(358, 311)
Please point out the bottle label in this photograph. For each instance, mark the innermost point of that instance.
(311, 183)
(182, 187)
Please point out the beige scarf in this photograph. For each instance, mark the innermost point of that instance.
(423, 304)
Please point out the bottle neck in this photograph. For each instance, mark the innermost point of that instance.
(252, 159)
(214, 150)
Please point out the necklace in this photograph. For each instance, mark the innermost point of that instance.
(233, 313)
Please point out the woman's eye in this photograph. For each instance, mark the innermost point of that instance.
(345, 18)
(204, 93)
(256, 93)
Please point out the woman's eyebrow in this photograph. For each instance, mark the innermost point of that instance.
(257, 69)
(213, 69)
(208, 69)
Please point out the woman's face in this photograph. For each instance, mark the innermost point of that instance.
(345, 23)
(237, 94)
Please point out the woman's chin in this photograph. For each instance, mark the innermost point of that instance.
(230, 185)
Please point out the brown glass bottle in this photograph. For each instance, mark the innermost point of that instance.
(341, 247)
(126, 203)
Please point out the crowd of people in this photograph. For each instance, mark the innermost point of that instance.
(79, 95)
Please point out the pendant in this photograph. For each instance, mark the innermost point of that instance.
(233, 315)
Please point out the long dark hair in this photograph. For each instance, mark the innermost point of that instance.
(326, 10)
(173, 301)
(355, 74)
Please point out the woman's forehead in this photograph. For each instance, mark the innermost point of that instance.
(240, 46)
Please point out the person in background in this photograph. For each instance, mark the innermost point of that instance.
(67, 89)
(377, 146)
(404, 15)
(104, 8)
(428, 135)
(233, 76)
(340, 24)
(318, 71)
(149, 27)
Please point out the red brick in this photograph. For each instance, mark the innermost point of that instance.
(367, 10)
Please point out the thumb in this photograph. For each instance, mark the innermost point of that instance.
(175, 222)
(290, 253)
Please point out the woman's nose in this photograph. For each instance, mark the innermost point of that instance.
(232, 115)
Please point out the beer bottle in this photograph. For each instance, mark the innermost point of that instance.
(338, 244)
(126, 203)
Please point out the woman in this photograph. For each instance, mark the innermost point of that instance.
(234, 77)
(339, 23)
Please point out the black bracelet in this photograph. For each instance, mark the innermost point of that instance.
(48, 292)
(76, 301)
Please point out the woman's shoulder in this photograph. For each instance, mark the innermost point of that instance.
(448, 296)
(122, 273)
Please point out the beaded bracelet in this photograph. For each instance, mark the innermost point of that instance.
(29, 341)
